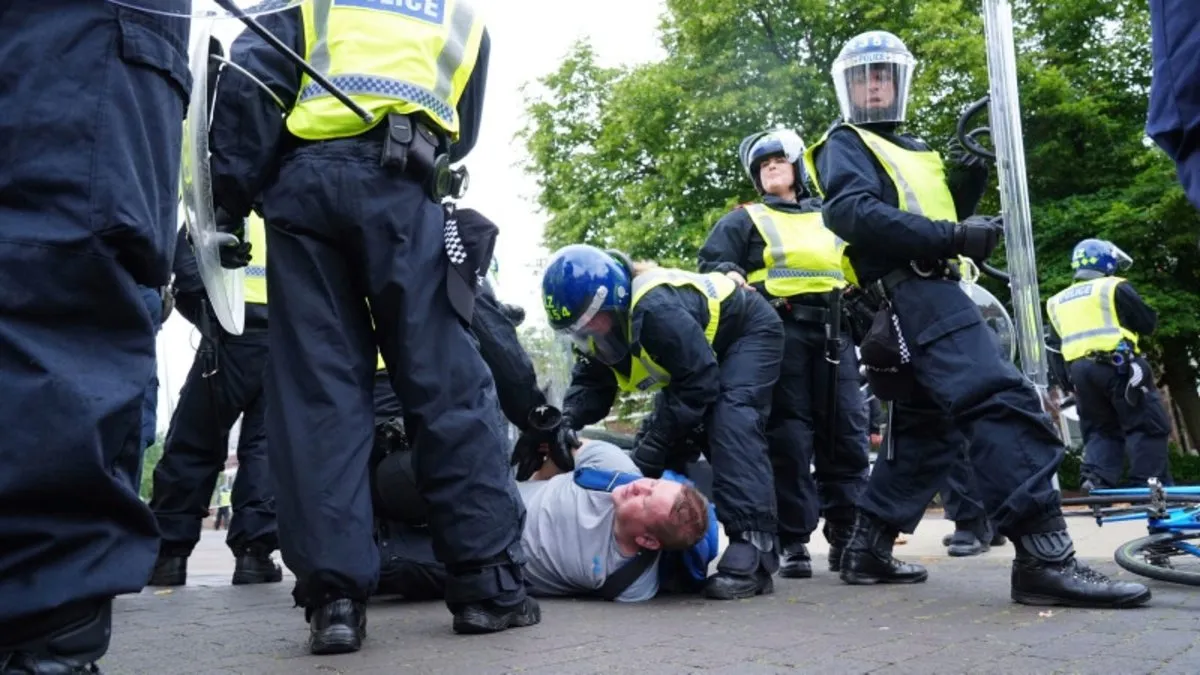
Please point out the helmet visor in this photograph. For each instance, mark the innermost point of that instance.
(873, 87)
(601, 335)
(1124, 262)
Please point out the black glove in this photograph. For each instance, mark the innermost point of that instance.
(549, 434)
(960, 156)
(650, 455)
(233, 255)
(977, 236)
(514, 313)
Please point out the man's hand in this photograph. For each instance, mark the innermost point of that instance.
(960, 156)
(741, 280)
(876, 440)
(548, 435)
(977, 236)
(233, 255)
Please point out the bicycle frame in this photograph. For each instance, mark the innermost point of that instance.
(1158, 517)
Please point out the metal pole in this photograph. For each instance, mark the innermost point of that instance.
(1005, 114)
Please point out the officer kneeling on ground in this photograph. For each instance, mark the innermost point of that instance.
(601, 530)
(714, 349)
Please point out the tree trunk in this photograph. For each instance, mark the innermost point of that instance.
(1180, 376)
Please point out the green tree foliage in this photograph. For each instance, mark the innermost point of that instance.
(149, 461)
(644, 158)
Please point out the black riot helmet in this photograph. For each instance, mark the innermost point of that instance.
(759, 146)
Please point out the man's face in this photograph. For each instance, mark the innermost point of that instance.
(642, 503)
(873, 88)
(777, 176)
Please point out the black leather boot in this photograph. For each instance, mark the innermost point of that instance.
(797, 563)
(71, 649)
(337, 627)
(746, 568)
(970, 538)
(255, 566)
(837, 533)
(868, 556)
(488, 617)
(1046, 572)
(169, 570)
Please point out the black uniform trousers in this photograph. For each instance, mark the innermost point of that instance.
(798, 431)
(1114, 430)
(196, 447)
(344, 232)
(963, 388)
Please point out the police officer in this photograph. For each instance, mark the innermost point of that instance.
(225, 382)
(781, 247)
(87, 203)
(714, 349)
(887, 195)
(1173, 120)
(1096, 325)
(359, 248)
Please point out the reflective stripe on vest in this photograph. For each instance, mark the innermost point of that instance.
(645, 374)
(1085, 317)
(400, 56)
(254, 284)
(801, 255)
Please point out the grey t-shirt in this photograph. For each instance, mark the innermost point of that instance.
(568, 536)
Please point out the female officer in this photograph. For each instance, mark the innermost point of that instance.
(781, 246)
(713, 349)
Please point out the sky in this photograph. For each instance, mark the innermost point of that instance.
(526, 43)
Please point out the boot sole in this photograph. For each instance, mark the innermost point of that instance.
(509, 621)
(868, 580)
(766, 589)
(165, 583)
(795, 574)
(246, 578)
(1037, 600)
(965, 553)
(337, 640)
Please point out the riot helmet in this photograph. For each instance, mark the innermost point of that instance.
(872, 75)
(587, 294)
(760, 146)
(1094, 258)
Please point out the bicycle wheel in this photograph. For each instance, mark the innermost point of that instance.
(1154, 557)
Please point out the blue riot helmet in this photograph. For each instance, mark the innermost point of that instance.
(587, 294)
(1094, 258)
(872, 75)
(760, 146)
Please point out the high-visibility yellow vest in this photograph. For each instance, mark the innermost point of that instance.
(1085, 316)
(645, 374)
(224, 498)
(379, 364)
(801, 255)
(402, 56)
(918, 175)
(254, 285)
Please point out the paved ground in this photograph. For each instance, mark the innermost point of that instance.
(960, 621)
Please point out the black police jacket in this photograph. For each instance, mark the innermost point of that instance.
(861, 204)
(669, 323)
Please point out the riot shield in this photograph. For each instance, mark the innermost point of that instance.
(209, 9)
(224, 286)
(995, 316)
(1005, 116)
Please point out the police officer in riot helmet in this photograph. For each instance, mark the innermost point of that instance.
(888, 195)
(1096, 326)
(782, 249)
(369, 257)
(714, 349)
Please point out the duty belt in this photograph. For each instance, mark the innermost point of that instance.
(802, 313)
(940, 269)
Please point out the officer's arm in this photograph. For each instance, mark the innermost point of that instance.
(1133, 312)
(855, 211)
(187, 286)
(591, 394)
(674, 340)
(470, 104)
(247, 124)
(516, 380)
(967, 185)
(1054, 359)
(725, 248)
(876, 422)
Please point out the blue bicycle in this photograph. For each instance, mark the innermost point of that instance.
(1171, 550)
